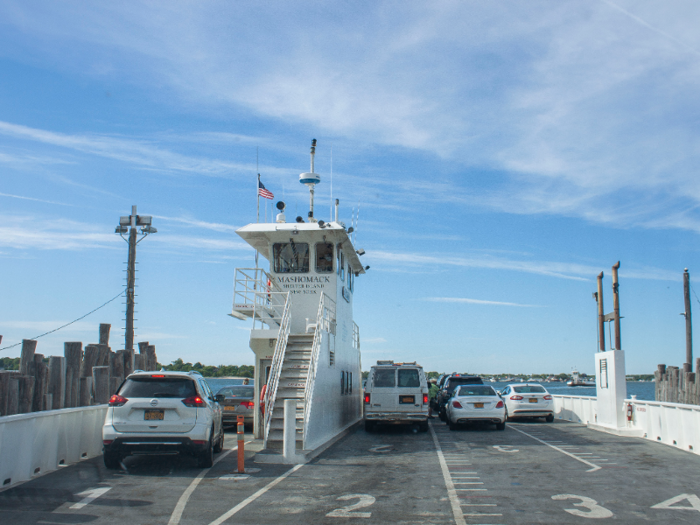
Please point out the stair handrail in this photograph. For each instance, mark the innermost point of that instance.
(325, 322)
(257, 294)
(276, 366)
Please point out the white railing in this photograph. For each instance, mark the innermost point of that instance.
(579, 409)
(257, 295)
(674, 424)
(38, 443)
(325, 323)
(276, 367)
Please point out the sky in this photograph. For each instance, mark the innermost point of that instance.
(496, 157)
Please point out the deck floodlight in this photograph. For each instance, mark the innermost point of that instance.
(281, 205)
(148, 229)
(300, 219)
(351, 229)
(321, 224)
(360, 252)
(121, 230)
(143, 220)
(124, 221)
(366, 267)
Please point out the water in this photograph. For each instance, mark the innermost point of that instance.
(217, 383)
(644, 391)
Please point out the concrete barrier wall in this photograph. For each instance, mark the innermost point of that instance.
(674, 424)
(41, 442)
(579, 409)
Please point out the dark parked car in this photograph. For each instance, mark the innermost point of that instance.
(238, 401)
(449, 383)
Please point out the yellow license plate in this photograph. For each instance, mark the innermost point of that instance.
(478, 405)
(229, 408)
(406, 399)
(533, 400)
(153, 415)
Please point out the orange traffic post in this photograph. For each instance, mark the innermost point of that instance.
(241, 449)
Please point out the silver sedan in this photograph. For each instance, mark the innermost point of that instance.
(476, 404)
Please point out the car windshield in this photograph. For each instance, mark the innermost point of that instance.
(158, 387)
(236, 391)
(409, 378)
(475, 390)
(529, 389)
(385, 377)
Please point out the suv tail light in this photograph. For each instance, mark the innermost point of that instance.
(367, 399)
(425, 399)
(499, 404)
(117, 401)
(516, 398)
(247, 404)
(194, 402)
(547, 397)
(456, 404)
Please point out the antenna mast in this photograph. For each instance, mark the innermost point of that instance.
(310, 180)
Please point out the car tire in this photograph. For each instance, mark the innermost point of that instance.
(112, 460)
(369, 426)
(219, 442)
(501, 426)
(549, 418)
(206, 457)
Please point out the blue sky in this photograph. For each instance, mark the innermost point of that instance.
(501, 155)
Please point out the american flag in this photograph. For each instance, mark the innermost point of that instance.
(265, 194)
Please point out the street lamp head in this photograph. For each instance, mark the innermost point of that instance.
(143, 220)
(124, 221)
(148, 229)
(121, 229)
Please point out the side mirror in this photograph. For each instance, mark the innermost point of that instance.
(220, 398)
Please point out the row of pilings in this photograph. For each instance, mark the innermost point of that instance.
(81, 377)
(678, 385)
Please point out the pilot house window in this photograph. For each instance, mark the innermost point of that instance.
(324, 257)
(291, 257)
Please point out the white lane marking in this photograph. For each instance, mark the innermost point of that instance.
(476, 515)
(182, 502)
(593, 466)
(381, 448)
(473, 490)
(89, 496)
(505, 448)
(451, 492)
(478, 504)
(468, 482)
(255, 496)
(670, 503)
(467, 477)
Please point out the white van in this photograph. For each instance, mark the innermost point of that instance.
(396, 394)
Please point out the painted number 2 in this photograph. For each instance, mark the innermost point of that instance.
(594, 510)
(347, 512)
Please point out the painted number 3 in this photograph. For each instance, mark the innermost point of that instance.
(347, 512)
(594, 510)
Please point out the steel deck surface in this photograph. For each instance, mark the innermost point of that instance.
(532, 472)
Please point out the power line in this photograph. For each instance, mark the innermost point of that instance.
(68, 324)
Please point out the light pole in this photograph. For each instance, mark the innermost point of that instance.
(130, 225)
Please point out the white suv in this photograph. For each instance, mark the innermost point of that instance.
(396, 393)
(163, 413)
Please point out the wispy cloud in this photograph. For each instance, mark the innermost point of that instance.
(215, 226)
(477, 301)
(33, 199)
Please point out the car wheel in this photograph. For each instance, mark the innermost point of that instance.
(206, 458)
(549, 418)
(112, 460)
(219, 442)
(369, 426)
(501, 426)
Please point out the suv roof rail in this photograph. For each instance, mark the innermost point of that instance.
(386, 362)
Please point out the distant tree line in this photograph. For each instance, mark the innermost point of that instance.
(209, 370)
(9, 363)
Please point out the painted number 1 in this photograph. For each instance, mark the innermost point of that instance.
(347, 512)
(594, 510)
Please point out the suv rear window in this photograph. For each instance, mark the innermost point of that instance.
(456, 381)
(529, 389)
(158, 387)
(236, 391)
(409, 378)
(385, 377)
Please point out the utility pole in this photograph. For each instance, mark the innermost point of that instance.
(601, 315)
(131, 224)
(688, 365)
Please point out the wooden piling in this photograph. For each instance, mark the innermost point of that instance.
(57, 366)
(41, 375)
(26, 362)
(85, 391)
(90, 359)
(104, 333)
(7, 376)
(13, 394)
(140, 362)
(128, 362)
(73, 353)
(26, 393)
(151, 360)
(100, 381)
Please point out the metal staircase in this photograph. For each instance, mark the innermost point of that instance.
(293, 378)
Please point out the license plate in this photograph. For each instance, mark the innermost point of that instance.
(533, 400)
(229, 408)
(478, 405)
(406, 399)
(153, 415)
